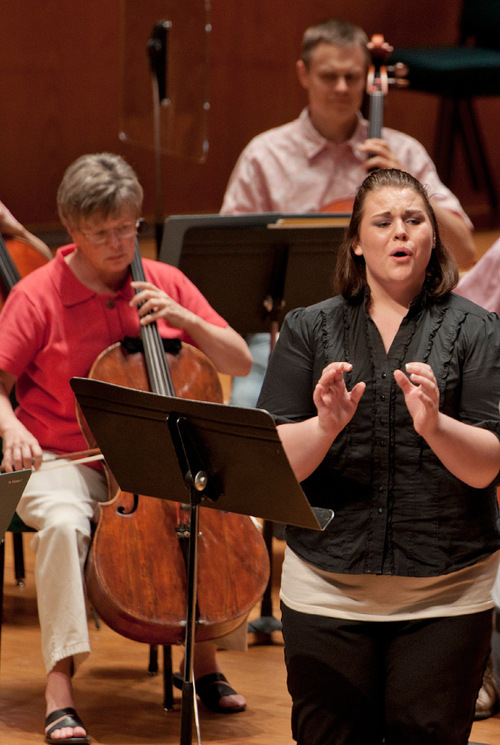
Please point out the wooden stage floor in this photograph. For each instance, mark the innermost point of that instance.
(122, 705)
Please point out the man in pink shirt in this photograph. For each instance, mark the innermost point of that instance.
(324, 155)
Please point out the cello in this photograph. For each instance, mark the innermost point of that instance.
(136, 567)
(379, 78)
(17, 259)
(20, 254)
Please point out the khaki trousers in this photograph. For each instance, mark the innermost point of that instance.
(61, 504)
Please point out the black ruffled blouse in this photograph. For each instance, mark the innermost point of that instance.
(398, 510)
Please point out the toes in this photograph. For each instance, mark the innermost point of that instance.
(234, 701)
(66, 732)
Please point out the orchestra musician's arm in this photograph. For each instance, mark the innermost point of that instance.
(456, 235)
(12, 227)
(20, 447)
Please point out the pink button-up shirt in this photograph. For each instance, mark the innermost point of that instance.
(293, 169)
(482, 283)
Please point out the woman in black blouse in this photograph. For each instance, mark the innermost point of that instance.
(386, 398)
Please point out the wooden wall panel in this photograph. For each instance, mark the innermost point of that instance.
(60, 91)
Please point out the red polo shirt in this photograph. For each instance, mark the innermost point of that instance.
(52, 328)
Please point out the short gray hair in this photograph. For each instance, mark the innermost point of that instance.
(98, 184)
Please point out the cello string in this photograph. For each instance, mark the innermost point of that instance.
(159, 373)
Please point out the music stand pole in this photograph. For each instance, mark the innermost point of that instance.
(196, 478)
(189, 705)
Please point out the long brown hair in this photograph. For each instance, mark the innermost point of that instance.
(350, 272)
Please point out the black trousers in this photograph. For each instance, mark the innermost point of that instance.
(398, 683)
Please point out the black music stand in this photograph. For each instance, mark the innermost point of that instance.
(189, 451)
(252, 269)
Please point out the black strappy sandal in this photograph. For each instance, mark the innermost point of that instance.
(65, 718)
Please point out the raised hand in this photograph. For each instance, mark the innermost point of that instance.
(421, 396)
(335, 404)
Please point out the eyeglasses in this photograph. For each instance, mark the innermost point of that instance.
(121, 232)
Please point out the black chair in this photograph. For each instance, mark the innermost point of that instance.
(458, 74)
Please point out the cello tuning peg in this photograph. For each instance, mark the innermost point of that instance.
(398, 73)
(400, 70)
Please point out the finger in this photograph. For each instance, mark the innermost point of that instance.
(340, 365)
(144, 295)
(6, 466)
(335, 369)
(36, 457)
(380, 161)
(139, 284)
(427, 390)
(16, 460)
(24, 455)
(404, 383)
(26, 458)
(149, 305)
(421, 379)
(424, 376)
(147, 319)
(357, 392)
(332, 383)
(421, 368)
(374, 143)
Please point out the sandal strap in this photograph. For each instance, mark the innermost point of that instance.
(208, 680)
(67, 717)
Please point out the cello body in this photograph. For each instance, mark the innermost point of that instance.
(136, 568)
(17, 259)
